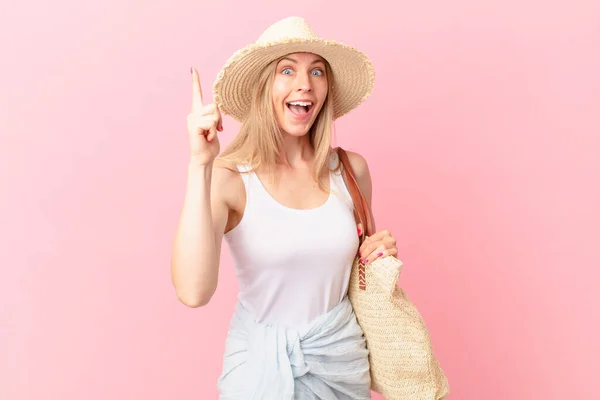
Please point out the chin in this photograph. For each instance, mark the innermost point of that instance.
(296, 130)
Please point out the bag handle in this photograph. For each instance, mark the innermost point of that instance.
(361, 208)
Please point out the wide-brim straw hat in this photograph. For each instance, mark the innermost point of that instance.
(352, 70)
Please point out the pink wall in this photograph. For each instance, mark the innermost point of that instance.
(482, 136)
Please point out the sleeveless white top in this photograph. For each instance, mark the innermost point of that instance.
(293, 265)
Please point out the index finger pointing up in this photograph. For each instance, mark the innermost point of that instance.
(196, 91)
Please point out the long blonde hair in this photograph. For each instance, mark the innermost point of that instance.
(260, 139)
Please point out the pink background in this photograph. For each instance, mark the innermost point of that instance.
(482, 136)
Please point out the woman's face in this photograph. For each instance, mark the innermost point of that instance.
(299, 91)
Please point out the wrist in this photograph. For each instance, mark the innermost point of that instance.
(196, 162)
(198, 168)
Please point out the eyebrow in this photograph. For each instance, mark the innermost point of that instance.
(317, 60)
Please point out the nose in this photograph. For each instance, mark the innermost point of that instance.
(303, 83)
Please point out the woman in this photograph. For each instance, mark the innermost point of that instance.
(277, 196)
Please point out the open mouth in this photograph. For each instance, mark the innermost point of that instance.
(300, 108)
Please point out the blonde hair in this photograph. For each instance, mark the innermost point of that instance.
(260, 139)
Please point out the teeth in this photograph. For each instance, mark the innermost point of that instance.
(300, 103)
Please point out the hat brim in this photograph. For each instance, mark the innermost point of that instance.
(352, 69)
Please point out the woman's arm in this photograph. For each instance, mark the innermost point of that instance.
(197, 244)
(363, 177)
(379, 244)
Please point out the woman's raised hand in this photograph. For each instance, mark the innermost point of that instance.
(203, 122)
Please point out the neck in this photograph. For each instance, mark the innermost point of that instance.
(297, 151)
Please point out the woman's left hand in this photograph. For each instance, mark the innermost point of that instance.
(380, 244)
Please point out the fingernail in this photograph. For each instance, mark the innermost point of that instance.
(379, 254)
(366, 261)
(359, 231)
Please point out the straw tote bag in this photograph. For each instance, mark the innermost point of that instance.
(403, 364)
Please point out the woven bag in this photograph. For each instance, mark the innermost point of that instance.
(402, 362)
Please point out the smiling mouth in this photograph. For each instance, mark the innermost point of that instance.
(299, 107)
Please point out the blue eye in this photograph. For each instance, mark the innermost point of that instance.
(287, 69)
(318, 71)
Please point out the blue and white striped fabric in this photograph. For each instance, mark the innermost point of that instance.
(326, 360)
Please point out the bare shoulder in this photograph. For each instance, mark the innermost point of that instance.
(361, 170)
(227, 184)
(359, 163)
(227, 189)
(223, 169)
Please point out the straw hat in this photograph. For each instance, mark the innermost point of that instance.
(353, 71)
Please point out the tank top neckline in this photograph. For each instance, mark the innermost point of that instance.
(292, 209)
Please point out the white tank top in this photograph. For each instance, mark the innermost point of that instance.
(293, 265)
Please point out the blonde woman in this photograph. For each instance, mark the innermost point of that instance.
(277, 197)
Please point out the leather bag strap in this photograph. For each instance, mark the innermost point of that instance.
(361, 207)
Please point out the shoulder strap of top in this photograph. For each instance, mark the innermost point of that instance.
(340, 190)
(244, 173)
(243, 167)
(334, 160)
